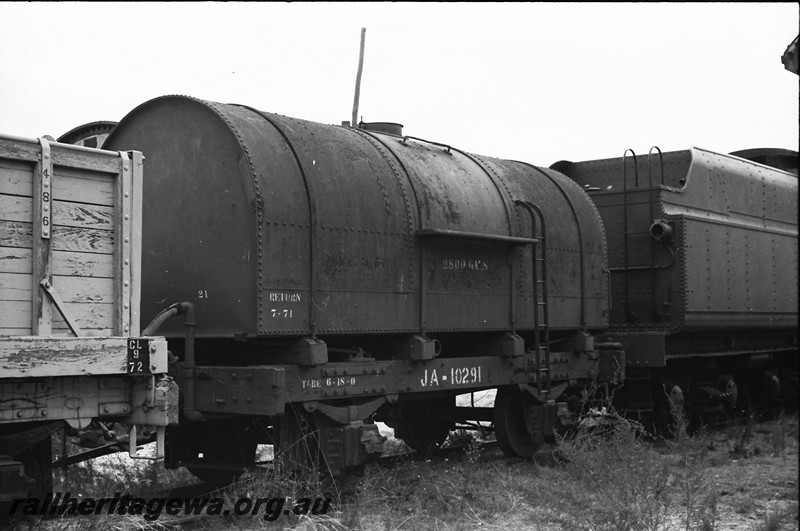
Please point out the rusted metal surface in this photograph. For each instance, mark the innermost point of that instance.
(266, 389)
(204, 249)
(278, 226)
(576, 255)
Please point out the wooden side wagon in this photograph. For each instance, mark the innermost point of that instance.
(70, 345)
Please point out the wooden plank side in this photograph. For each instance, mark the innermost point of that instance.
(68, 214)
(15, 260)
(16, 234)
(84, 289)
(16, 314)
(14, 331)
(89, 301)
(74, 264)
(84, 292)
(82, 240)
(19, 151)
(15, 208)
(86, 249)
(16, 178)
(15, 287)
(96, 317)
(81, 186)
(19, 234)
(26, 357)
(107, 162)
(76, 398)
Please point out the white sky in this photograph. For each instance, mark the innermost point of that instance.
(532, 82)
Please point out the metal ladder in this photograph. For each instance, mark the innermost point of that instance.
(541, 342)
(626, 267)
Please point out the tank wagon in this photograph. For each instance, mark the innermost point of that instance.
(332, 276)
(343, 275)
(71, 351)
(702, 257)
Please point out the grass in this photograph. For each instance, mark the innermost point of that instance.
(775, 519)
(607, 476)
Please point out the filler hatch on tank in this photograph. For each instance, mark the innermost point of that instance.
(389, 128)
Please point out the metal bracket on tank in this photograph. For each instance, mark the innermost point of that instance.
(308, 352)
(423, 349)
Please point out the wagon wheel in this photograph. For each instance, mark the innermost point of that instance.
(231, 460)
(227, 452)
(510, 425)
(425, 426)
(37, 480)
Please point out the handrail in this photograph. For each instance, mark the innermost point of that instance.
(534, 212)
(426, 141)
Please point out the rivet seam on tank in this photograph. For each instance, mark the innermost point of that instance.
(508, 200)
(259, 203)
(313, 223)
(399, 179)
(598, 220)
(582, 240)
(684, 279)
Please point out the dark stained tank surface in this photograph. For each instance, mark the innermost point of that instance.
(278, 226)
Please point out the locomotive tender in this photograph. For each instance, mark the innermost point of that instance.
(334, 276)
(702, 257)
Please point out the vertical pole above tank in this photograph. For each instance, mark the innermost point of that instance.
(358, 78)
